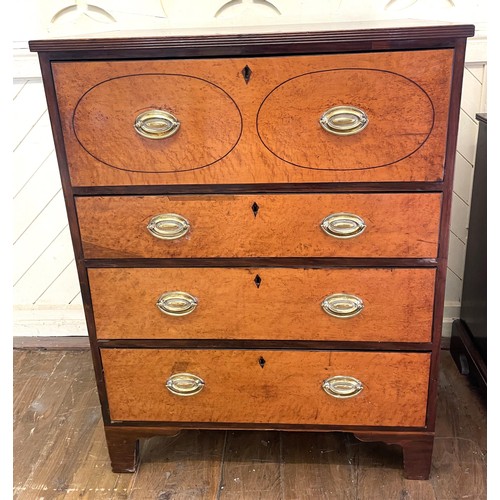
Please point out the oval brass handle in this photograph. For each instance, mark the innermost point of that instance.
(168, 226)
(342, 305)
(342, 386)
(156, 124)
(343, 225)
(176, 303)
(184, 384)
(344, 120)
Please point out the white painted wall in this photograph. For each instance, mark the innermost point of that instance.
(46, 293)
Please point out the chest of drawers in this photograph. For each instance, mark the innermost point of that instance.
(260, 225)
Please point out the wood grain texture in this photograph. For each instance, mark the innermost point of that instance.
(400, 116)
(397, 304)
(311, 465)
(59, 441)
(317, 466)
(286, 390)
(398, 225)
(251, 162)
(181, 467)
(467, 419)
(251, 467)
(210, 122)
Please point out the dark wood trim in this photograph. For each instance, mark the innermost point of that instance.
(444, 233)
(417, 450)
(123, 449)
(256, 262)
(307, 187)
(437, 327)
(53, 109)
(57, 133)
(454, 113)
(81, 342)
(67, 343)
(381, 38)
(152, 428)
(123, 442)
(247, 52)
(466, 356)
(263, 344)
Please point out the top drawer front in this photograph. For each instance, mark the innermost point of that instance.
(221, 128)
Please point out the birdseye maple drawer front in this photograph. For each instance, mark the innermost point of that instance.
(378, 116)
(322, 225)
(384, 305)
(285, 387)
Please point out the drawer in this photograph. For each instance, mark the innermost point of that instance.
(267, 387)
(378, 305)
(377, 225)
(202, 122)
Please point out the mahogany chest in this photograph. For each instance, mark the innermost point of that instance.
(260, 224)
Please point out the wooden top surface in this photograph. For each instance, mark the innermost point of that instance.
(242, 36)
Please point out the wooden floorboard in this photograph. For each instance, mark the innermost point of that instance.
(60, 450)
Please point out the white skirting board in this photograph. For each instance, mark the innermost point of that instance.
(451, 313)
(49, 320)
(69, 320)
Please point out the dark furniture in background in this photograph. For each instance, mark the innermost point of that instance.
(468, 341)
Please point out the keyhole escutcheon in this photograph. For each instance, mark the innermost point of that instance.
(255, 209)
(257, 280)
(247, 73)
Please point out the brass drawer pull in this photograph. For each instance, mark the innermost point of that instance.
(184, 384)
(168, 226)
(342, 386)
(176, 303)
(344, 120)
(343, 225)
(342, 305)
(156, 124)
